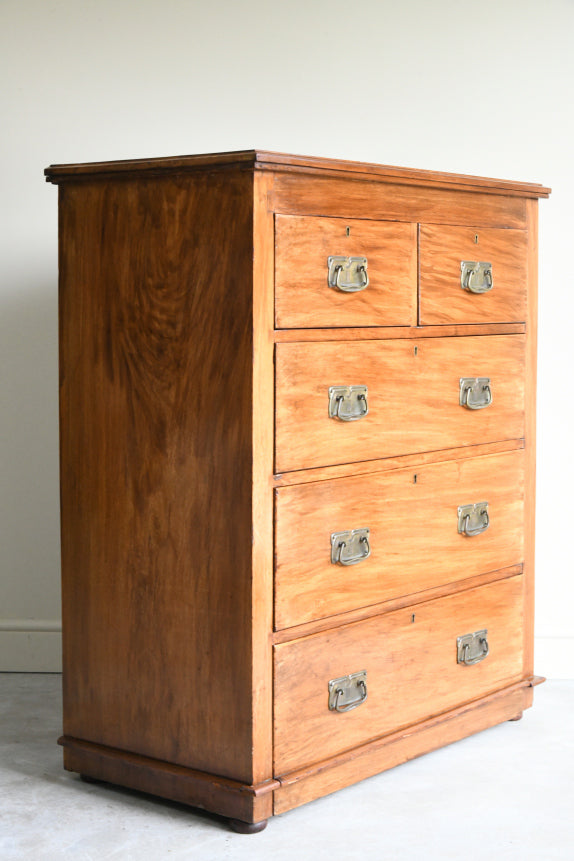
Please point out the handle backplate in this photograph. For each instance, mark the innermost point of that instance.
(475, 392)
(348, 274)
(472, 648)
(348, 403)
(348, 692)
(473, 518)
(350, 547)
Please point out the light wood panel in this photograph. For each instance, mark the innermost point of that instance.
(442, 299)
(285, 635)
(383, 332)
(303, 297)
(412, 671)
(304, 476)
(530, 436)
(335, 196)
(325, 777)
(413, 397)
(414, 538)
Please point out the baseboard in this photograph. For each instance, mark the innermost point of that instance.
(553, 656)
(30, 646)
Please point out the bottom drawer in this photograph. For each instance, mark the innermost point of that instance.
(411, 660)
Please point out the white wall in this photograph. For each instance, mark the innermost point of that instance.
(457, 85)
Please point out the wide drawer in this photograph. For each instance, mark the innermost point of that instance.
(303, 297)
(413, 541)
(410, 658)
(446, 286)
(413, 397)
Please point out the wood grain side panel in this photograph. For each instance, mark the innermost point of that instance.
(380, 755)
(413, 397)
(412, 671)
(303, 297)
(156, 455)
(297, 194)
(414, 538)
(442, 299)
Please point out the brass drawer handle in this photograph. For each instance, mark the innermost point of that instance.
(343, 692)
(475, 392)
(348, 403)
(348, 274)
(351, 547)
(473, 519)
(476, 277)
(472, 648)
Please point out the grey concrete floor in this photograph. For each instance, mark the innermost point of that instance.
(507, 793)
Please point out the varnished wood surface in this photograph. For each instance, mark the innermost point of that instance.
(361, 762)
(412, 671)
(442, 299)
(344, 197)
(382, 333)
(263, 428)
(249, 803)
(156, 478)
(167, 412)
(285, 635)
(530, 432)
(304, 476)
(275, 160)
(413, 397)
(302, 295)
(414, 539)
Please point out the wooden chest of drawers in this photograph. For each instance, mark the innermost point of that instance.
(297, 470)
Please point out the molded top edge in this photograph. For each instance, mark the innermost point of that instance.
(264, 160)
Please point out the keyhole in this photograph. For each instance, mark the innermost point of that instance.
(348, 231)
(476, 238)
(413, 618)
(415, 476)
(416, 351)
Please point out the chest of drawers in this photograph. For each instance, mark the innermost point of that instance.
(297, 402)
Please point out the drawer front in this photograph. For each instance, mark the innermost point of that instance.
(444, 299)
(413, 541)
(413, 397)
(412, 671)
(303, 297)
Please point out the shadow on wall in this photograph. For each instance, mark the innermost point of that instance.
(29, 493)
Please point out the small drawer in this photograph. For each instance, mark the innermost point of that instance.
(351, 542)
(472, 275)
(411, 664)
(313, 252)
(343, 402)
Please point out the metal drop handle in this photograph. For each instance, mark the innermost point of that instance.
(477, 512)
(472, 648)
(475, 392)
(348, 403)
(478, 529)
(353, 705)
(475, 276)
(355, 542)
(348, 274)
(343, 692)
